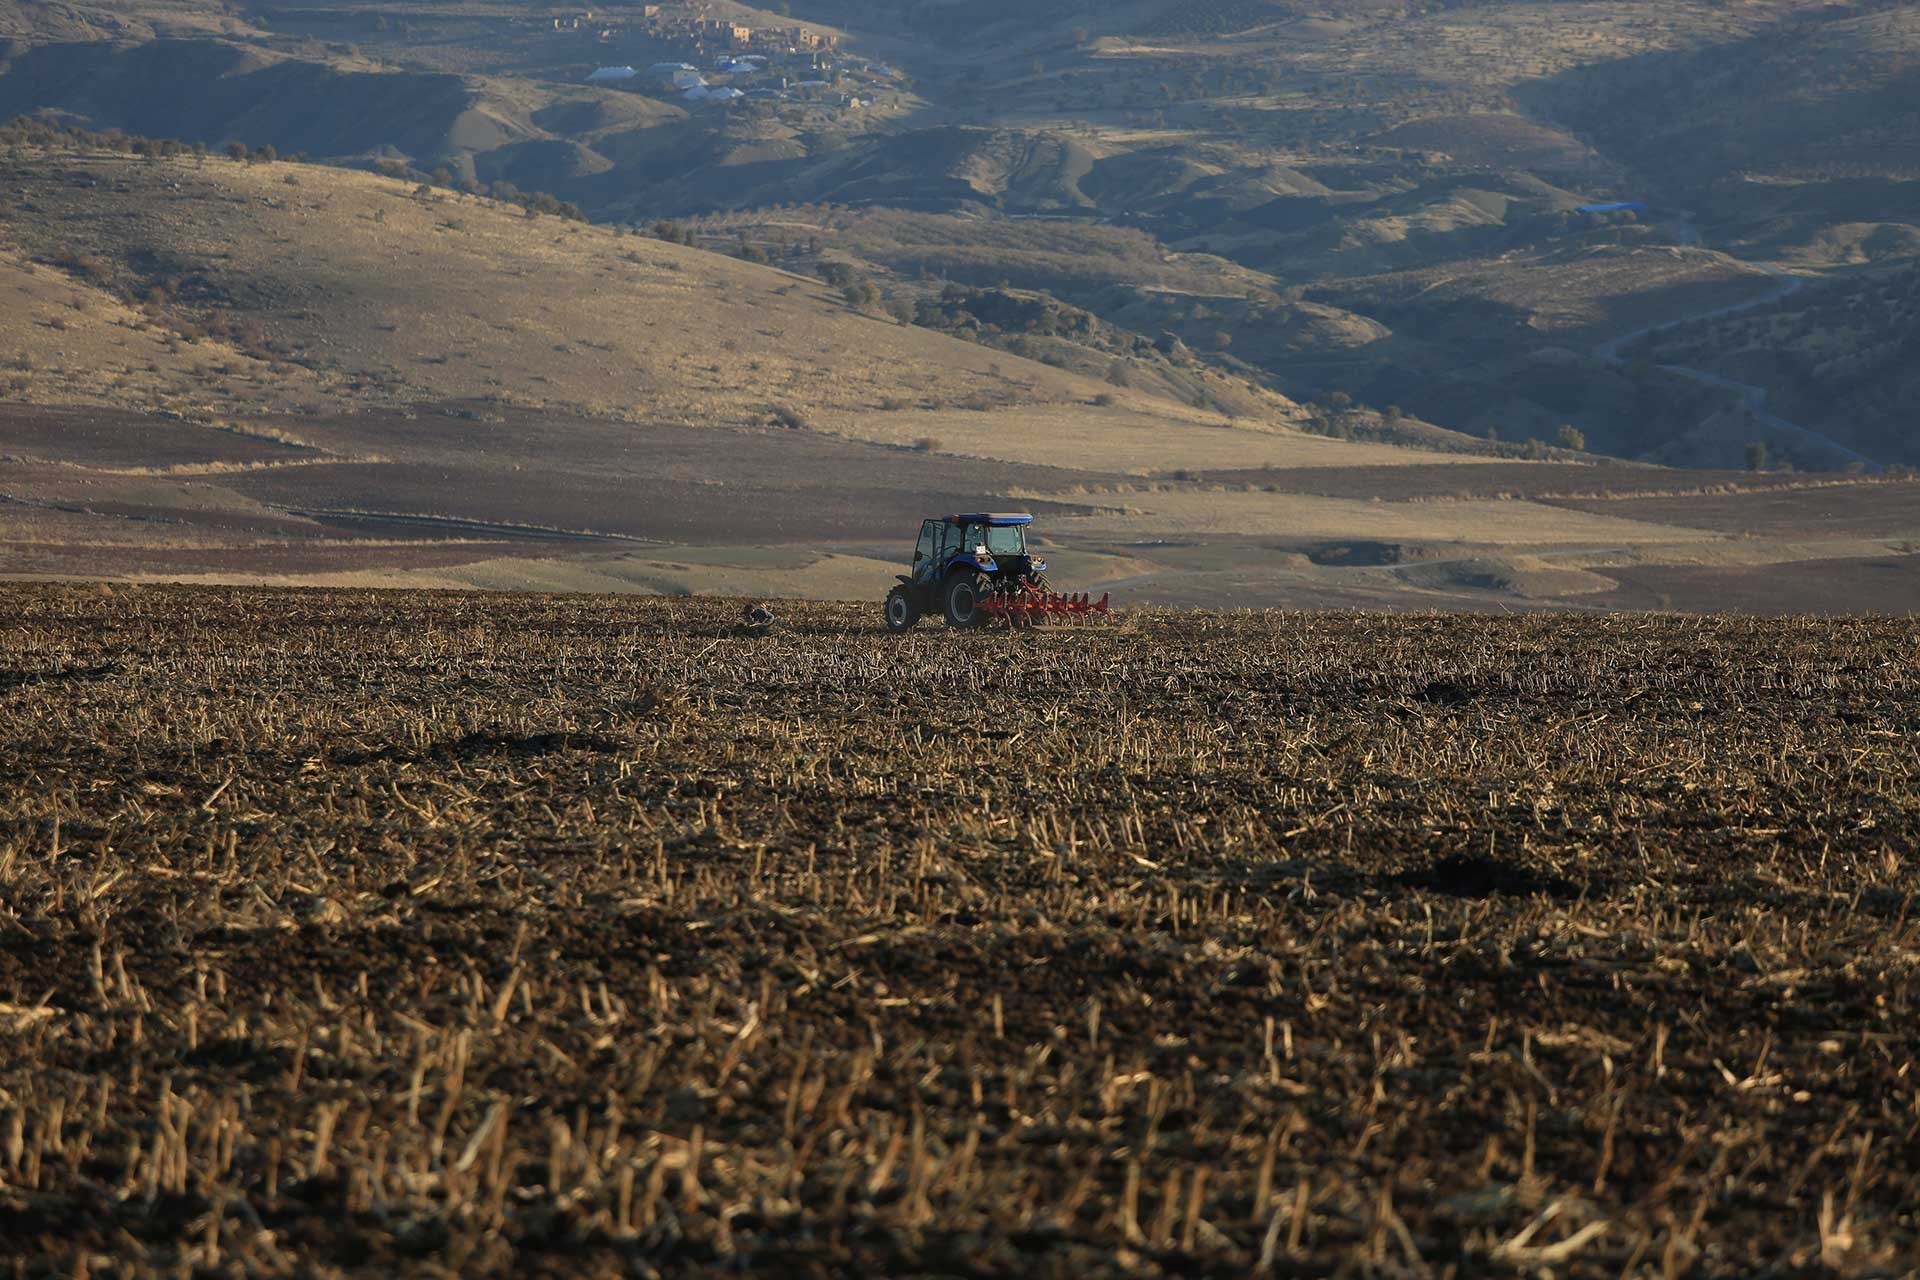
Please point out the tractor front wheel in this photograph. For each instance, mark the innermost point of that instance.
(962, 601)
(902, 612)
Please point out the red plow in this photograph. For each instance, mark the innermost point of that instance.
(1028, 606)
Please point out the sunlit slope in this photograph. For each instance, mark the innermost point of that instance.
(342, 288)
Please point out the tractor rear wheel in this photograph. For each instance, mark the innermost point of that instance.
(961, 599)
(902, 612)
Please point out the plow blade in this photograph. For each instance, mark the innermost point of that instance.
(1027, 607)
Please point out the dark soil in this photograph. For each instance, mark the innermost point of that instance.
(362, 933)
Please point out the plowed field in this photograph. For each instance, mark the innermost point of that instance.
(353, 933)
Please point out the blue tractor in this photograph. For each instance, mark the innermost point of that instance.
(968, 568)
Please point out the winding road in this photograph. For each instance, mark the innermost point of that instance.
(1752, 397)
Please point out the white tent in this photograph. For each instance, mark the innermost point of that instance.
(699, 93)
(604, 74)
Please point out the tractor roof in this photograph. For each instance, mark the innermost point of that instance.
(998, 519)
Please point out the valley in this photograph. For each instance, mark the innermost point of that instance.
(1136, 266)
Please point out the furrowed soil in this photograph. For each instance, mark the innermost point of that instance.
(354, 932)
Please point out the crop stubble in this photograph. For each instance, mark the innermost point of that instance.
(352, 930)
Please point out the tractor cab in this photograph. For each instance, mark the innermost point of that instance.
(988, 544)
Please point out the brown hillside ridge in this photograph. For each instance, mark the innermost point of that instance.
(1357, 197)
(352, 289)
(263, 371)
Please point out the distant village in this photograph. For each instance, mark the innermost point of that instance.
(706, 60)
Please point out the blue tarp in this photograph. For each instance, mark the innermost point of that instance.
(1618, 206)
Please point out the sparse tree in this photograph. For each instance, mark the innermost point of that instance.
(1756, 455)
(1571, 437)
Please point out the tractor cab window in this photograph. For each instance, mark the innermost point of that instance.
(999, 540)
(929, 541)
(1007, 540)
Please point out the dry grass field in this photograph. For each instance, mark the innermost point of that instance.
(504, 498)
(350, 933)
(342, 290)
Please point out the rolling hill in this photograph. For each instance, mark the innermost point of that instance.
(1841, 356)
(350, 289)
(1382, 201)
(1254, 302)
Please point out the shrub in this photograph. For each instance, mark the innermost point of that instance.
(1571, 437)
(785, 415)
(927, 444)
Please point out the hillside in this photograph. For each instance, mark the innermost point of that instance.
(349, 289)
(1842, 357)
(1778, 139)
(256, 370)
(1381, 201)
(1253, 303)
